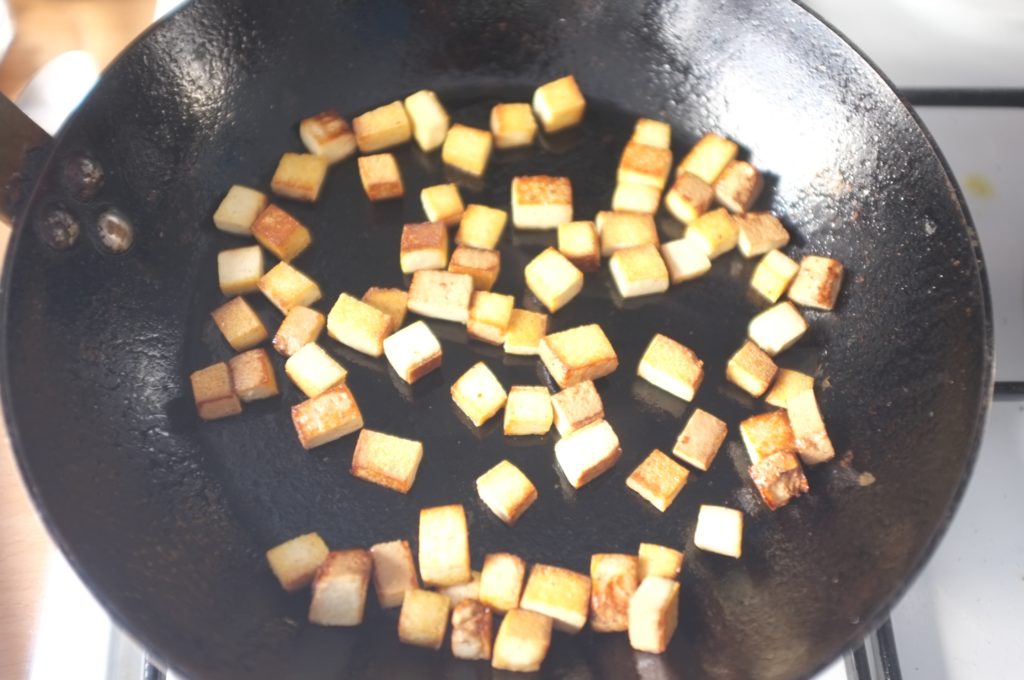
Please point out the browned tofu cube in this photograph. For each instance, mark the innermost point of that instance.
(239, 209)
(553, 279)
(382, 128)
(658, 480)
(779, 478)
(525, 329)
(788, 383)
(642, 164)
(671, 366)
(587, 453)
(470, 590)
(483, 265)
(777, 328)
(577, 354)
(685, 259)
(424, 246)
(479, 394)
(424, 619)
(709, 157)
(467, 149)
(299, 176)
(300, 327)
(501, 581)
(392, 301)
(286, 287)
(513, 125)
(638, 271)
(413, 351)
(653, 614)
(441, 295)
(817, 283)
(313, 370)
(559, 104)
(429, 119)
(751, 369)
(620, 230)
(506, 491)
(767, 434)
(528, 410)
(812, 440)
(394, 572)
(700, 440)
(327, 134)
(489, 316)
(576, 407)
(239, 324)
(652, 133)
(339, 588)
(444, 546)
(239, 269)
(522, 642)
(688, 197)
(296, 561)
(481, 227)
(716, 232)
(760, 233)
(613, 578)
(639, 198)
(387, 460)
(719, 530)
(330, 416)
(773, 275)
(658, 560)
(541, 202)
(252, 375)
(738, 186)
(380, 176)
(358, 325)
(213, 392)
(280, 233)
(579, 242)
(442, 203)
(562, 594)
(472, 630)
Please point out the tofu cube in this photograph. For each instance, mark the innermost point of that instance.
(413, 351)
(525, 330)
(428, 118)
(553, 279)
(479, 394)
(715, 232)
(588, 453)
(444, 546)
(252, 375)
(382, 128)
(812, 440)
(394, 572)
(576, 407)
(442, 203)
(472, 630)
(329, 135)
(441, 295)
(559, 593)
(280, 233)
(700, 440)
(239, 269)
(381, 177)
(296, 561)
(559, 104)
(654, 133)
(719, 530)
(658, 560)
(642, 164)
(327, 417)
(513, 125)
(541, 201)
(620, 230)
(658, 480)
(313, 370)
(300, 327)
(339, 588)
(817, 283)
(768, 434)
(773, 274)
(358, 325)
(213, 392)
(424, 246)
(613, 580)
(579, 242)
(638, 271)
(522, 642)
(460, 592)
(788, 383)
(777, 328)
(577, 354)
(709, 157)
(489, 316)
(671, 366)
(483, 265)
(685, 259)
(467, 149)
(738, 186)
(506, 491)
(638, 198)
(760, 233)
(688, 197)
(423, 620)
(481, 227)
(751, 369)
(501, 581)
(386, 460)
(392, 301)
(299, 176)
(239, 209)
(286, 287)
(239, 324)
(779, 479)
(653, 614)
(528, 410)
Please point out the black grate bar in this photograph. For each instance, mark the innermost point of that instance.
(1009, 390)
(952, 96)
(886, 641)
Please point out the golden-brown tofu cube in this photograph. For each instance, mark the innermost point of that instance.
(481, 227)
(239, 324)
(380, 176)
(300, 327)
(387, 460)
(239, 269)
(429, 119)
(313, 370)
(339, 588)
(652, 133)
(576, 407)
(579, 242)
(252, 375)
(295, 561)
(522, 642)
(483, 265)
(489, 316)
(671, 366)
(423, 619)
(653, 614)
(587, 453)
(553, 279)
(239, 209)
(358, 325)
(788, 383)
(751, 369)
(738, 186)
(773, 274)
(620, 230)
(642, 164)
(513, 125)
(688, 197)
(541, 201)
(467, 149)
(716, 232)
(767, 434)
(812, 440)
(286, 287)
(280, 233)
(441, 295)
(299, 176)
(382, 128)
(638, 198)
(213, 392)
(658, 480)
(528, 410)
(817, 283)
(479, 394)
(327, 134)
(330, 416)
(685, 260)
(719, 530)
(559, 104)
(613, 580)
(442, 203)
(779, 479)
(460, 592)
(392, 301)
(413, 351)
(577, 354)
(760, 233)
(562, 594)
(501, 581)
(777, 328)
(472, 630)
(394, 572)
(638, 271)
(424, 245)
(700, 440)
(525, 329)
(709, 157)
(506, 491)
(658, 560)
(444, 546)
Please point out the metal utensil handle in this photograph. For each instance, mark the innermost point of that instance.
(19, 135)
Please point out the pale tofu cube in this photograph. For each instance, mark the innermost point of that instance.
(286, 287)
(280, 233)
(501, 581)
(528, 410)
(472, 630)
(559, 104)
(688, 197)
(423, 620)
(381, 177)
(513, 125)
(252, 375)
(506, 491)
(295, 561)
(642, 164)
(576, 407)
(523, 640)
(708, 157)
(812, 440)
(658, 480)
(638, 198)
(214, 393)
(779, 479)
(358, 325)
(299, 176)
(239, 324)
(442, 203)
(460, 592)
(659, 560)
(587, 453)
(239, 209)
(777, 328)
(760, 233)
(773, 274)
(489, 316)
(429, 119)
(394, 572)
(483, 265)
(339, 588)
(620, 230)
(613, 580)
(239, 269)
(413, 351)
(685, 260)
(553, 279)
(328, 417)
(788, 383)
(479, 394)
(700, 440)
(638, 271)
(541, 201)
(382, 128)
(392, 301)
(671, 366)
(424, 246)
(738, 186)
(441, 295)
(467, 149)
(525, 329)
(653, 614)
(481, 227)
(559, 593)
(719, 530)
(751, 369)
(444, 546)
(300, 327)
(579, 242)
(716, 232)
(817, 283)
(654, 133)
(386, 460)
(768, 434)
(329, 135)
(313, 370)
(577, 354)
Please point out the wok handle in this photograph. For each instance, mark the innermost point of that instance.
(19, 135)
